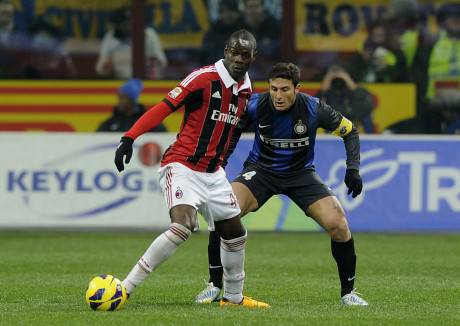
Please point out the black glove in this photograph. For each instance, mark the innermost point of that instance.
(124, 148)
(354, 182)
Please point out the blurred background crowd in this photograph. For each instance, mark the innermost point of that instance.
(342, 47)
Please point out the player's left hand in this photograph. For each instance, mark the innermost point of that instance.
(354, 182)
(124, 151)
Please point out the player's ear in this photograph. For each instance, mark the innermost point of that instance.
(297, 88)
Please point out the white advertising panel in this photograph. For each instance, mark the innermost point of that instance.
(70, 180)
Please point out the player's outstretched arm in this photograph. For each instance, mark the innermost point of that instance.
(146, 122)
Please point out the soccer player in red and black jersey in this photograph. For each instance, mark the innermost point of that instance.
(191, 176)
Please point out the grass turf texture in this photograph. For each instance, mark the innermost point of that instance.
(407, 279)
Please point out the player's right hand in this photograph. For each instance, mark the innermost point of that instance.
(125, 148)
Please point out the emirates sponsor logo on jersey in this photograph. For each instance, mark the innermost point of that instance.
(285, 143)
(225, 117)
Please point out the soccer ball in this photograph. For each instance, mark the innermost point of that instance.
(105, 293)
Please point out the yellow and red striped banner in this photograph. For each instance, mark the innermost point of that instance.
(69, 105)
(82, 105)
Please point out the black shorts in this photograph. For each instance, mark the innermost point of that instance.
(303, 188)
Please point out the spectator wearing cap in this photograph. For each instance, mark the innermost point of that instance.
(128, 110)
(115, 57)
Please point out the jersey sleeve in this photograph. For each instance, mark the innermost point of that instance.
(183, 93)
(149, 120)
(338, 125)
(333, 121)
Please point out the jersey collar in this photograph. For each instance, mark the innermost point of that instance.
(228, 80)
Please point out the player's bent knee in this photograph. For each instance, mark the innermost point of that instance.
(340, 231)
(231, 228)
(184, 215)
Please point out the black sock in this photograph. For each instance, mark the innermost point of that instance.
(344, 255)
(216, 271)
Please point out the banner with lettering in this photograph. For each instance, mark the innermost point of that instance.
(338, 25)
(180, 24)
(69, 180)
(410, 184)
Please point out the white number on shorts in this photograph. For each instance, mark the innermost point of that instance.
(249, 175)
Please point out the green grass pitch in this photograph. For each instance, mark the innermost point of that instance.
(408, 279)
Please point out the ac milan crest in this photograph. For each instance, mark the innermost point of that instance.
(179, 193)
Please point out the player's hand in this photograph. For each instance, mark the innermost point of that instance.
(354, 182)
(125, 148)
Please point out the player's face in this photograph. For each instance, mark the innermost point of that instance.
(283, 93)
(238, 56)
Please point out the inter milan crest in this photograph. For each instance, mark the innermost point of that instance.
(179, 193)
(300, 128)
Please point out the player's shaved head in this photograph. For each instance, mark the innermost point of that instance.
(239, 53)
(242, 38)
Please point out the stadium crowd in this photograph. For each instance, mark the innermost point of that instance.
(407, 42)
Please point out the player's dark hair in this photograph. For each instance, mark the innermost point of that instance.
(242, 34)
(285, 70)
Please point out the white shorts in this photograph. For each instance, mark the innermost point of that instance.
(209, 193)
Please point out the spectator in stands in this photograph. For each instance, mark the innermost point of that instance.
(228, 21)
(379, 60)
(115, 58)
(6, 20)
(404, 27)
(7, 55)
(341, 92)
(128, 109)
(267, 31)
(438, 81)
(45, 56)
(265, 28)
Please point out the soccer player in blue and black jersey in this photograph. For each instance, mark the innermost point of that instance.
(281, 162)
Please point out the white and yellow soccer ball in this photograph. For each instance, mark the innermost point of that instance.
(105, 293)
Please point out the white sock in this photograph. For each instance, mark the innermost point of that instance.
(232, 256)
(160, 250)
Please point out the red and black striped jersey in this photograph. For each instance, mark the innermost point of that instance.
(214, 104)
